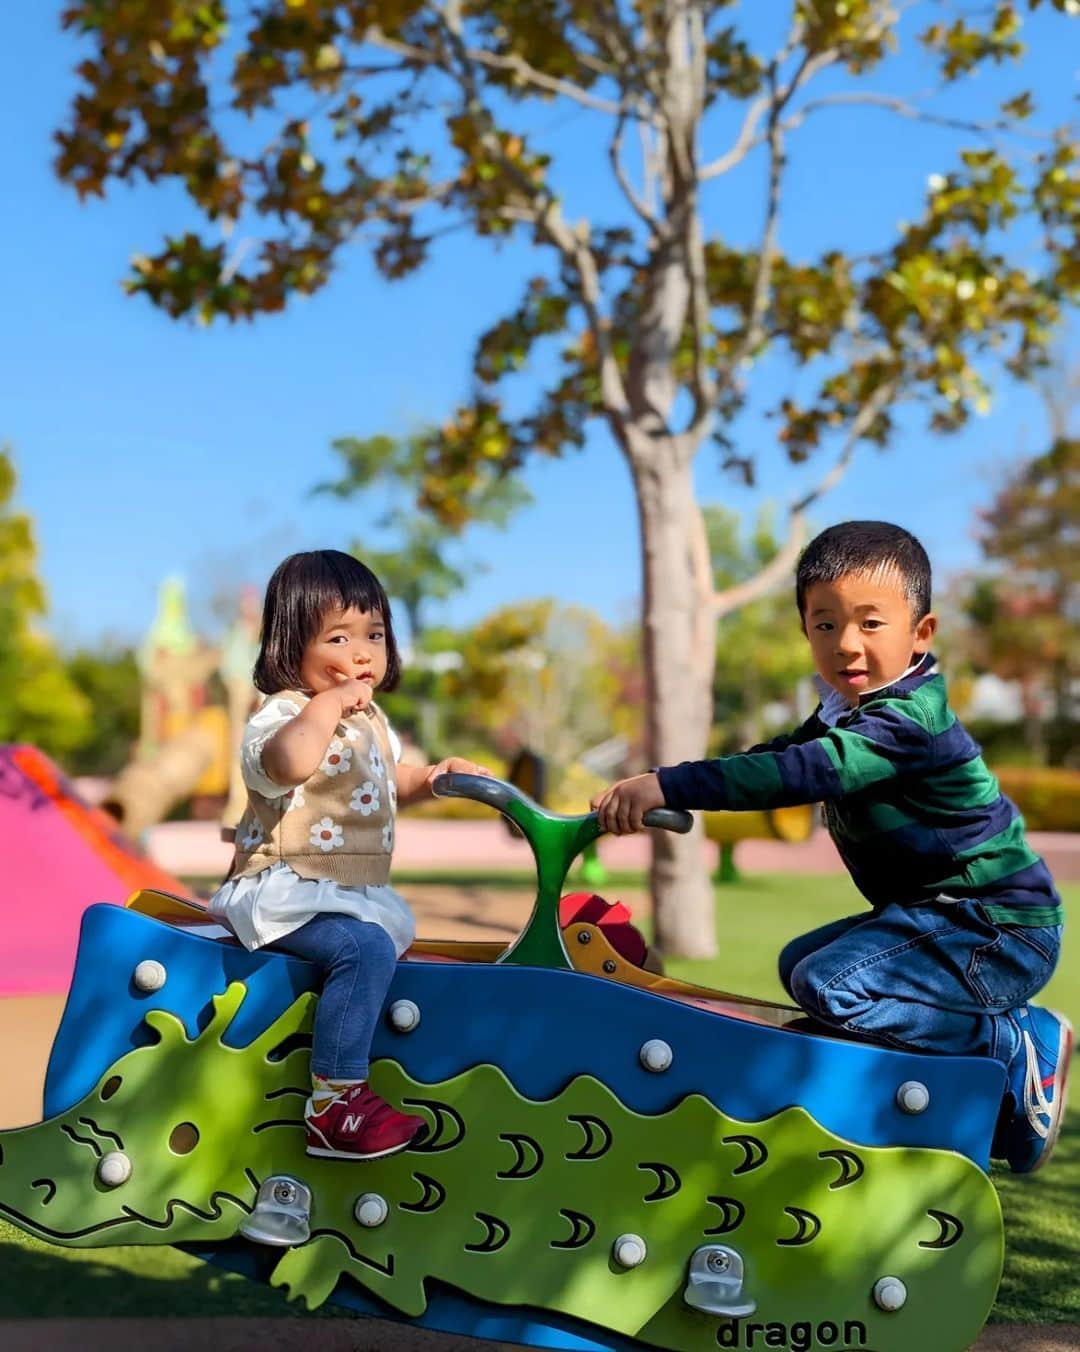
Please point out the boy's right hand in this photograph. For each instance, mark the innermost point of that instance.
(622, 807)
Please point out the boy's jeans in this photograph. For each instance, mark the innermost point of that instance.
(938, 977)
(356, 961)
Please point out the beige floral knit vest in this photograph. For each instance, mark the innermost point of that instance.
(339, 823)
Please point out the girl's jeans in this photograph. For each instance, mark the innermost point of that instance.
(938, 977)
(356, 961)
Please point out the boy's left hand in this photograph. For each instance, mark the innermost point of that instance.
(622, 806)
(454, 765)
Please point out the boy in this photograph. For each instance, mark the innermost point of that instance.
(966, 923)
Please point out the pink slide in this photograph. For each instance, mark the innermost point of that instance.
(57, 856)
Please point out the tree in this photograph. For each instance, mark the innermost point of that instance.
(420, 565)
(110, 681)
(761, 656)
(424, 119)
(38, 701)
(1026, 611)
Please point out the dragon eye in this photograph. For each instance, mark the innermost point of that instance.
(184, 1138)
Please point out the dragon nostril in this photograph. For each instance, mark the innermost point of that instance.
(111, 1085)
(184, 1138)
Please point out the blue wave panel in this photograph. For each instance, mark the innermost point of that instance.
(541, 1028)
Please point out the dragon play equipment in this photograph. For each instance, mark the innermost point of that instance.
(792, 824)
(613, 1159)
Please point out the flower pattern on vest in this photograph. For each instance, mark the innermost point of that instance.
(253, 835)
(327, 835)
(365, 799)
(337, 823)
(338, 758)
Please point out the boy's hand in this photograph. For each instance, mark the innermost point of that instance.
(453, 765)
(354, 693)
(622, 806)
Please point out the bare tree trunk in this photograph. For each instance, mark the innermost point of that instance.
(678, 635)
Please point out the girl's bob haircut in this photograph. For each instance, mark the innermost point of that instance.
(302, 590)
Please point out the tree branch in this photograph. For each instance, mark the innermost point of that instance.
(746, 141)
(905, 108)
(526, 74)
(544, 213)
(639, 204)
(781, 564)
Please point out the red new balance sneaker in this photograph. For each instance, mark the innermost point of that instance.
(358, 1125)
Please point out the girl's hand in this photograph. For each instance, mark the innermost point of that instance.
(354, 693)
(453, 765)
(622, 806)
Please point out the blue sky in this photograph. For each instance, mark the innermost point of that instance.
(146, 447)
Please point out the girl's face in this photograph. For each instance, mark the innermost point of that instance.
(350, 643)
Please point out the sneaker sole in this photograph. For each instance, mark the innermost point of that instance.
(1061, 1084)
(330, 1154)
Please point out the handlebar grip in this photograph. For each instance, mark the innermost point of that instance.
(669, 819)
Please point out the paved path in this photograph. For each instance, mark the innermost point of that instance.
(194, 849)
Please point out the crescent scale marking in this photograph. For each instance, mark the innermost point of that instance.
(754, 1150)
(582, 1229)
(733, 1213)
(434, 1195)
(431, 1145)
(587, 1123)
(497, 1232)
(519, 1141)
(851, 1167)
(809, 1227)
(951, 1230)
(668, 1182)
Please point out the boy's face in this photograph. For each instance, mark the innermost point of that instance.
(861, 632)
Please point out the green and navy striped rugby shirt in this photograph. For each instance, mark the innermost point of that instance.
(913, 810)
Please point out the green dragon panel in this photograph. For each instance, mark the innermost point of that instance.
(519, 1202)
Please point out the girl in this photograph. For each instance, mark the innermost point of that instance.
(313, 847)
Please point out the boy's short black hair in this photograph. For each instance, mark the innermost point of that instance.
(866, 547)
(303, 589)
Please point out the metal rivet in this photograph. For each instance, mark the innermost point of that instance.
(404, 1016)
(629, 1251)
(913, 1097)
(114, 1168)
(890, 1293)
(149, 975)
(656, 1055)
(583, 936)
(609, 965)
(371, 1209)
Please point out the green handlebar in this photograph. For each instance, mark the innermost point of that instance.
(555, 841)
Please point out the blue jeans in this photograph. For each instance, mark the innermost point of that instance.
(356, 961)
(938, 977)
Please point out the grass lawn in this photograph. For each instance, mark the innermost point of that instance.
(755, 918)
